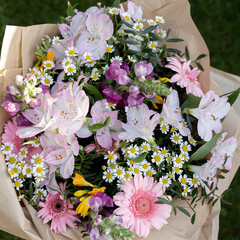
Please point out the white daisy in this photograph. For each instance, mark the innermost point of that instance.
(11, 159)
(23, 153)
(88, 56)
(7, 148)
(138, 38)
(48, 65)
(159, 19)
(133, 151)
(90, 63)
(186, 190)
(14, 170)
(71, 52)
(117, 58)
(70, 69)
(27, 171)
(164, 127)
(110, 48)
(185, 156)
(162, 32)
(95, 74)
(113, 11)
(145, 147)
(18, 183)
(137, 26)
(108, 176)
(146, 166)
(111, 164)
(36, 143)
(66, 62)
(115, 40)
(169, 158)
(150, 173)
(37, 159)
(105, 68)
(195, 181)
(176, 138)
(192, 140)
(177, 170)
(137, 169)
(111, 156)
(119, 172)
(184, 180)
(46, 39)
(185, 147)
(42, 192)
(56, 40)
(131, 59)
(157, 158)
(127, 175)
(152, 45)
(151, 22)
(126, 17)
(164, 151)
(47, 80)
(166, 181)
(178, 161)
(110, 106)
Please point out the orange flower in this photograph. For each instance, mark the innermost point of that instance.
(79, 180)
(159, 101)
(50, 56)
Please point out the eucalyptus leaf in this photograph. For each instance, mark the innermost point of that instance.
(127, 24)
(201, 56)
(156, 37)
(193, 218)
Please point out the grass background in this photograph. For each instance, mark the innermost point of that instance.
(217, 20)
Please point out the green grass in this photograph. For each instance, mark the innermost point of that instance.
(217, 20)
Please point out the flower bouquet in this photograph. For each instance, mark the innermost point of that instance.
(111, 130)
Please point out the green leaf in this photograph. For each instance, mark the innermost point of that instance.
(31, 141)
(127, 24)
(149, 29)
(233, 97)
(162, 201)
(220, 176)
(193, 218)
(192, 102)
(129, 31)
(96, 126)
(183, 210)
(215, 201)
(70, 9)
(31, 190)
(224, 170)
(156, 37)
(94, 91)
(116, 3)
(226, 202)
(131, 42)
(201, 56)
(175, 40)
(199, 66)
(187, 53)
(211, 199)
(173, 50)
(206, 148)
(140, 158)
(174, 210)
(107, 121)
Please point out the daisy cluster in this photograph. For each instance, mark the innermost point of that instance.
(109, 122)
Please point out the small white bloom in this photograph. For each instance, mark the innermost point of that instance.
(108, 175)
(185, 156)
(48, 64)
(56, 40)
(151, 22)
(7, 148)
(105, 68)
(131, 59)
(133, 151)
(137, 169)
(47, 80)
(177, 170)
(110, 48)
(88, 56)
(42, 73)
(110, 106)
(150, 172)
(115, 39)
(178, 161)
(40, 191)
(91, 63)
(14, 170)
(146, 166)
(166, 181)
(164, 152)
(195, 181)
(71, 52)
(27, 171)
(126, 17)
(119, 172)
(164, 127)
(111, 156)
(95, 74)
(138, 26)
(37, 159)
(23, 153)
(70, 69)
(45, 39)
(66, 62)
(162, 33)
(176, 138)
(18, 183)
(153, 45)
(145, 147)
(185, 147)
(157, 158)
(186, 190)
(20, 197)
(117, 58)
(113, 11)
(192, 140)
(36, 143)
(11, 159)
(159, 19)
(169, 158)
(138, 38)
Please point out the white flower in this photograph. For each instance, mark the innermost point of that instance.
(95, 74)
(111, 156)
(145, 147)
(40, 171)
(37, 159)
(108, 175)
(91, 63)
(178, 161)
(23, 153)
(48, 64)
(115, 39)
(110, 106)
(117, 58)
(184, 180)
(185, 156)
(7, 148)
(27, 171)
(113, 11)
(166, 181)
(18, 183)
(146, 166)
(151, 172)
(45, 39)
(126, 17)
(111, 164)
(47, 80)
(133, 151)
(162, 33)
(14, 170)
(192, 140)
(56, 40)
(177, 170)
(138, 38)
(36, 143)
(105, 68)
(40, 191)
(88, 56)
(159, 19)
(164, 151)
(195, 181)
(186, 190)
(70, 69)
(185, 147)
(151, 22)
(137, 169)
(152, 45)
(11, 159)
(119, 172)
(71, 52)
(157, 158)
(176, 138)
(169, 158)
(127, 175)
(131, 59)
(110, 48)
(42, 73)
(138, 26)
(164, 127)
(66, 62)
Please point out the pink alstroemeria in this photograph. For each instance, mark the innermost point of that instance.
(209, 113)
(185, 76)
(61, 151)
(225, 150)
(104, 136)
(72, 105)
(171, 113)
(141, 123)
(133, 11)
(42, 117)
(99, 29)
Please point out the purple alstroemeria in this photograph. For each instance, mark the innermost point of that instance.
(112, 95)
(23, 122)
(12, 107)
(143, 70)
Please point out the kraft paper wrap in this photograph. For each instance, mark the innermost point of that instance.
(17, 56)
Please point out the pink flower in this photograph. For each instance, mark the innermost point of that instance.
(209, 113)
(59, 211)
(135, 12)
(137, 205)
(143, 69)
(12, 107)
(185, 76)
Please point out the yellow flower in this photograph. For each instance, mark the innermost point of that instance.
(163, 80)
(78, 180)
(96, 190)
(80, 193)
(159, 101)
(50, 56)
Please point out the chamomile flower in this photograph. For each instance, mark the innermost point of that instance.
(138, 38)
(131, 59)
(173, 129)
(48, 65)
(162, 33)
(110, 156)
(36, 143)
(115, 40)
(42, 73)
(113, 11)
(152, 45)
(177, 170)
(185, 156)
(183, 180)
(40, 171)
(56, 40)
(186, 190)
(157, 158)
(195, 181)
(164, 127)
(176, 138)
(131, 163)
(18, 183)
(66, 62)
(105, 68)
(37, 159)
(127, 175)
(137, 26)
(20, 197)
(27, 171)
(119, 172)
(146, 166)
(32, 70)
(110, 106)
(47, 80)
(21, 164)
(7, 148)
(111, 164)
(117, 58)
(169, 158)
(11, 159)
(192, 140)
(150, 173)
(110, 48)
(71, 52)
(88, 56)
(178, 161)
(151, 22)
(95, 74)
(159, 19)
(166, 181)
(145, 147)
(108, 176)
(90, 63)
(40, 191)
(14, 170)
(126, 17)
(185, 147)
(133, 151)
(70, 69)
(23, 153)
(164, 152)
(137, 169)
(46, 39)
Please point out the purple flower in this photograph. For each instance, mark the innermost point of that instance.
(143, 70)
(45, 89)
(95, 234)
(135, 100)
(112, 72)
(98, 220)
(112, 95)
(134, 90)
(12, 90)
(95, 203)
(12, 107)
(23, 122)
(106, 200)
(125, 67)
(107, 212)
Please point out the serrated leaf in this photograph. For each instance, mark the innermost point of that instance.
(201, 56)
(183, 210)
(149, 29)
(206, 148)
(192, 102)
(175, 40)
(162, 201)
(94, 91)
(140, 158)
(193, 218)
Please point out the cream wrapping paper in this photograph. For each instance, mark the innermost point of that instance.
(18, 55)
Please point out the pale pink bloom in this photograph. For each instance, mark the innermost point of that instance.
(99, 28)
(133, 11)
(225, 150)
(171, 113)
(41, 117)
(185, 76)
(61, 150)
(59, 211)
(209, 113)
(141, 123)
(72, 104)
(9, 135)
(137, 205)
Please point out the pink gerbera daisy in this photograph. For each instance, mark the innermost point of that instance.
(137, 205)
(58, 210)
(9, 135)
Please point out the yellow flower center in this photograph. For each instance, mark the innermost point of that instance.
(15, 170)
(109, 49)
(185, 190)
(109, 175)
(12, 160)
(127, 18)
(21, 175)
(191, 140)
(71, 52)
(66, 63)
(12, 172)
(28, 171)
(70, 69)
(39, 170)
(164, 151)
(153, 45)
(47, 81)
(136, 170)
(183, 181)
(110, 156)
(132, 150)
(176, 138)
(7, 148)
(164, 128)
(173, 129)
(17, 184)
(48, 65)
(149, 173)
(145, 147)
(138, 27)
(88, 57)
(194, 180)
(110, 104)
(169, 158)
(165, 181)
(112, 165)
(184, 148)
(145, 166)
(43, 73)
(95, 76)
(114, 11)
(126, 175)
(38, 160)
(178, 160)
(119, 172)
(157, 158)
(176, 169)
